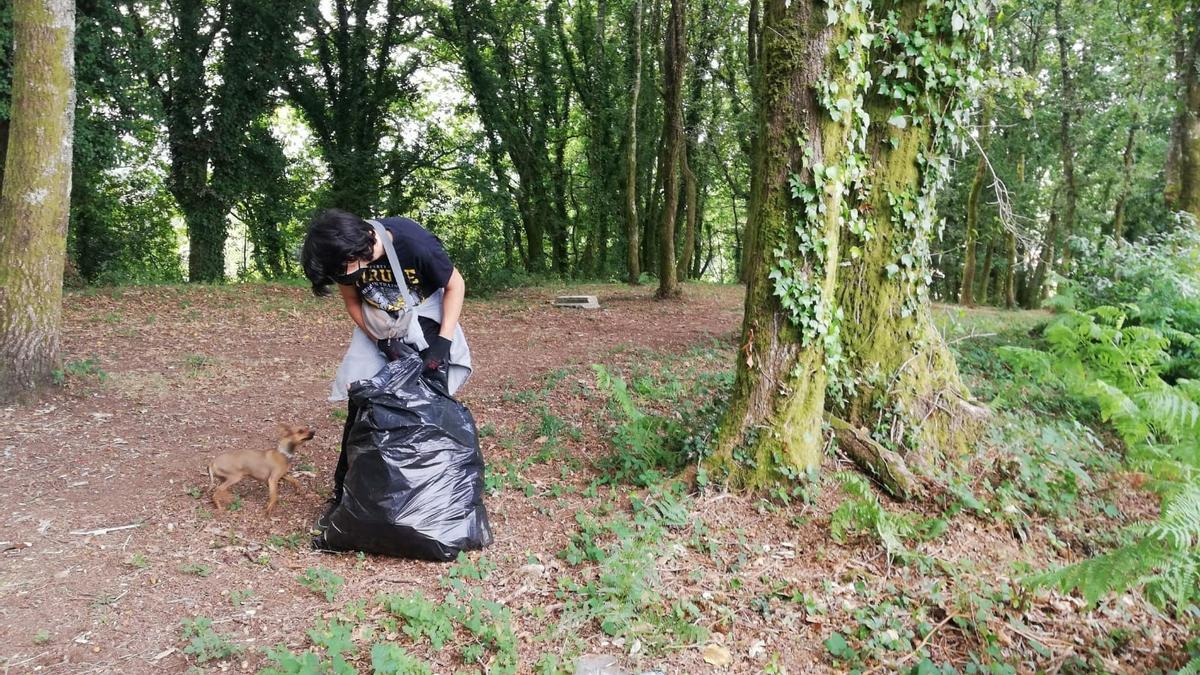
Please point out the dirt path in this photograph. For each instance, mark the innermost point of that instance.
(188, 373)
(163, 378)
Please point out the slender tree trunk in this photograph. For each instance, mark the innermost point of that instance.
(1068, 147)
(632, 226)
(1175, 140)
(754, 50)
(674, 52)
(986, 281)
(36, 191)
(1036, 282)
(683, 267)
(1010, 271)
(1189, 144)
(966, 290)
(1118, 221)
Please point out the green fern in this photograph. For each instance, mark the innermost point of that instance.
(1163, 559)
(862, 513)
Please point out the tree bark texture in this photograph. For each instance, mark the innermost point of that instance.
(906, 387)
(1189, 141)
(775, 414)
(35, 195)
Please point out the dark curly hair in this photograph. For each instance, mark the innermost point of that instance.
(334, 238)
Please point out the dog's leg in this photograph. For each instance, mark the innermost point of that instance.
(222, 491)
(291, 480)
(273, 493)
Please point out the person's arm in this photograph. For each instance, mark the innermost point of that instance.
(452, 302)
(354, 307)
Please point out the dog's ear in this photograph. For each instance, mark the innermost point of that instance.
(283, 429)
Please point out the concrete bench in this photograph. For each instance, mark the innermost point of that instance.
(579, 301)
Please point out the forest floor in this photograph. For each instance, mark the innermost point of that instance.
(670, 579)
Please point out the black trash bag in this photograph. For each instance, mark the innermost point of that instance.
(414, 487)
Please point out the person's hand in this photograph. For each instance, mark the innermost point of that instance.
(436, 358)
(437, 355)
(385, 346)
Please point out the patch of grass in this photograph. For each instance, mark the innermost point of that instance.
(138, 561)
(206, 644)
(322, 581)
(41, 637)
(199, 364)
(194, 491)
(291, 541)
(237, 598)
(199, 569)
(81, 369)
(234, 504)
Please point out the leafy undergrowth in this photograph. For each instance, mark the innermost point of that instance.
(611, 541)
(676, 575)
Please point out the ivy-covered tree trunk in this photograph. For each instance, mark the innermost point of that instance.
(35, 195)
(674, 53)
(772, 428)
(904, 387)
(966, 290)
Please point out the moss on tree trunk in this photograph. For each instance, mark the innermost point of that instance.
(773, 427)
(35, 196)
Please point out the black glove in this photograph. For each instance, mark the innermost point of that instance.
(437, 355)
(385, 346)
(437, 359)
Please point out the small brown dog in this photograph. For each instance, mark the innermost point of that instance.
(270, 466)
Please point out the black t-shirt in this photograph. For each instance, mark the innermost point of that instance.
(422, 258)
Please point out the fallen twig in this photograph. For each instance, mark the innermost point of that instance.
(105, 530)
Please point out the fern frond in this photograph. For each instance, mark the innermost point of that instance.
(1114, 572)
(1179, 524)
(1031, 361)
(1192, 667)
(1169, 410)
(1116, 407)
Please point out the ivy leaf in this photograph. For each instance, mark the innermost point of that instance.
(892, 270)
(957, 22)
(898, 120)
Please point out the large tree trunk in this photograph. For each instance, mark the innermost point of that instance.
(967, 289)
(775, 412)
(906, 386)
(35, 195)
(674, 57)
(632, 226)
